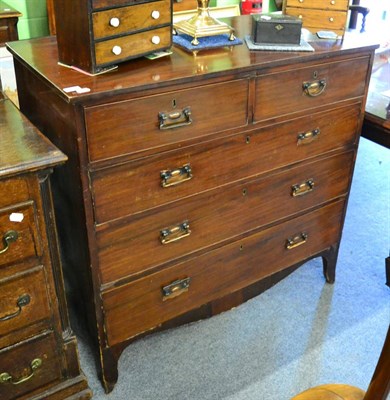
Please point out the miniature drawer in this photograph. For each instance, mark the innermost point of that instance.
(121, 48)
(320, 4)
(199, 222)
(28, 366)
(306, 88)
(98, 4)
(168, 119)
(14, 190)
(148, 302)
(19, 234)
(23, 300)
(163, 179)
(122, 20)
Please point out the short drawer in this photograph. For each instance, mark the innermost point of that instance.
(139, 17)
(19, 234)
(303, 89)
(97, 4)
(157, 180)
(28, 366)
(14, 190)
(137, 44)
(169, 119)
(23, 300)
(319, 4)
(197, 223)
(147, 302)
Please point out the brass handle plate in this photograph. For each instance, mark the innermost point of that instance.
(176, 288)
(300, 189)
(5, 377)
(174, 233)
(295, 241)
(308, 137)
(8, 237)
(176, 176)
(314, 88)
(175, 119)
(21, 302)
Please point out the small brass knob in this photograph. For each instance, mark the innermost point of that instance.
(333, 2)
(155, 14)
(331, 19)
(301, 1)
(117, 50)
(156, 39)
(115, 22)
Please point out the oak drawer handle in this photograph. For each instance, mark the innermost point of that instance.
(308, 137)
(303, 188)
(314, 88)
(176, 288)
(5, 377)
(9, 237)
(296, 241)
(175, 119)
(20, 303)
(175, 176)
(175, 233)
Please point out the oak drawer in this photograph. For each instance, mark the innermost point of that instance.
(283, 93)
(319, 4)
(14, 190)
(28, 366)
(137, 44)
(157, 180)
(140, 306)
(133, 126)
(139, 17)
(23, 300)
(199, 222)
(96, 4)
(19, 234)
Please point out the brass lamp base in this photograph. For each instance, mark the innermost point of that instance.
(202, 25)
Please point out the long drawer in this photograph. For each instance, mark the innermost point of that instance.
(155, 122)
(319, 4)
(157, 180)
(189, 225)
(303, 89)
(147, 302)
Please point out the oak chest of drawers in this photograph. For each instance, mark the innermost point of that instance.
(96, 34)
(192, 179)
(38, 351)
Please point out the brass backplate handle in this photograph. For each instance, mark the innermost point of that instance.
(175, 119)
(5, 377)
(176, 288)
(21, 302)
(308, 137)
(295, 241)
(172, 177)
(300, 189)
(314, 88)
(174, 233)
(8, 237)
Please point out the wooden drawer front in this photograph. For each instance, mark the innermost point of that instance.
(121, 48)
(319, 4)
(133, 126)
(23, 300)
(22, 361)
(320, 19)
(217, 216)
(138, 186)
(12, 191)
(133, 18)
(19, 240)
(139, 306)
(96, 4)
(282, 93)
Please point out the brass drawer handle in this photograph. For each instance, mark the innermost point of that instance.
(174, 233)
(308, 137)
(314, 88)
(21, 302)
(176, 288)
(296, 241)
(5, 377)
(9, 237)
(300, 189)
(175, 119)
(176, 176)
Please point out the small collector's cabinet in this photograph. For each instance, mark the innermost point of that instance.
(96, 34)
(38, 352)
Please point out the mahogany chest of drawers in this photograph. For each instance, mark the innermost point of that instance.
(38, 351)
(95, 34)
(192, 179)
